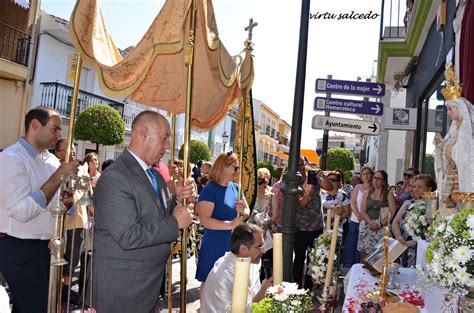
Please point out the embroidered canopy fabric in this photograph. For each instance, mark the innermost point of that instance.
(154, 72)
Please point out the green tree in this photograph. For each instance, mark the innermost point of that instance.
(347, 177)
(340, 159)
(198, 151)
(277, 173)
(429, 165)
(100, 124)
(266, 165)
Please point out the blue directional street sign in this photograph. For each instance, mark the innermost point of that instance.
(346, 87)
(348, 106)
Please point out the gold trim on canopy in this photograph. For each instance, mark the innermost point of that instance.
(154, 72)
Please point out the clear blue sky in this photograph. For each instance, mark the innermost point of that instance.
(344, 48)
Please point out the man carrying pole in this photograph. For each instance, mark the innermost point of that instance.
(136, 220)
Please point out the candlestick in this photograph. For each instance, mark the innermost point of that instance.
(277, 258)
(240, 288)
(383, 277)
(332, 248)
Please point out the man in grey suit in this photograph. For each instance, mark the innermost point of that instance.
(136, 219)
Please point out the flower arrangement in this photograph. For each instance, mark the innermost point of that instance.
(415, 222)
(450, 257)
(284, 298)
(319, 256)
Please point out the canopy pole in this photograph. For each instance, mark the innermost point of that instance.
(57, 241)
(189, 61)
(170, 259)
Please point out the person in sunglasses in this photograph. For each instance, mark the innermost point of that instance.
(218, 207)
(335, 196)
(403, 193)
(376, 204)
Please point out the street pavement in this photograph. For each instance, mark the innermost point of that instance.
(192, 287)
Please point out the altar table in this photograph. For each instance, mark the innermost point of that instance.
(360, 280)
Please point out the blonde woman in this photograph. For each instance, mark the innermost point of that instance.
(218, 206)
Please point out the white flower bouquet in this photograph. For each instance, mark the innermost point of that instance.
(415, 223)
(319, 256)
(450, 257)
(284, 298)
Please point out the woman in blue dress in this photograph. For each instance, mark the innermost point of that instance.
(217, 209)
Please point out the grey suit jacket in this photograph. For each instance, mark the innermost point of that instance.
(132, 236)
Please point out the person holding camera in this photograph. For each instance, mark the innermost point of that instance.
(309, 220)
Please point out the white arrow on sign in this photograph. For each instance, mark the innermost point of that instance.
(378, 89)
(377, 108)
(346, 125)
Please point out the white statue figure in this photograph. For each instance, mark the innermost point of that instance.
(454, 154)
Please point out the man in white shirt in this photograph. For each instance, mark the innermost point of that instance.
(29, 180)
(246, 241)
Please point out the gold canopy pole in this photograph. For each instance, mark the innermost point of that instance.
(57, 242)
(170, 259)
(187, 135)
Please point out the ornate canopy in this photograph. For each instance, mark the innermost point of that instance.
(154, 72)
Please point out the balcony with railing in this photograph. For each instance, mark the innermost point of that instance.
(266, 130)
(395, 18)
(14, 44)
(283, 140)
(59, 97)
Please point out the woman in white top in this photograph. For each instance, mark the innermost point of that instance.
(350, 255)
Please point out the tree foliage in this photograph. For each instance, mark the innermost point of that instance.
(268, 166)
(429, 165)
(198, 151)
(100, 124)
(277, 173)
(340, 159)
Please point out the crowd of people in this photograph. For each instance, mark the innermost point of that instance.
(141, 203)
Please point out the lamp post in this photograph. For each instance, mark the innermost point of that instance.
(292, 178)
(225, 139)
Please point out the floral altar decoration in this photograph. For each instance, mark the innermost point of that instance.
(319, 256)
(450, 257)
(284, 298)
(415, 222)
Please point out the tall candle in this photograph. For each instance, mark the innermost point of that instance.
(277, 258)
(240, 288)
(332, 249)
(328, 219)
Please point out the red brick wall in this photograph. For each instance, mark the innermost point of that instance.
(15, 15)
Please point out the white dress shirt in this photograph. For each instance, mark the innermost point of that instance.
(142, 163)
(216, 295)
(23, 210)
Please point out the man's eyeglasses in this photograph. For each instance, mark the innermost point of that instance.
(260, 247)
(407, 175)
